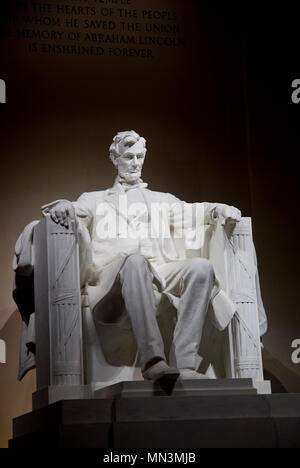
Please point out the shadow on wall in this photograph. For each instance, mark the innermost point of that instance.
(15, 396)
(283, 379)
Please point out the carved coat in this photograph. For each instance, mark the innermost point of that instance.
(101, 259)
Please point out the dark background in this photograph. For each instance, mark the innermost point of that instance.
(220, 126)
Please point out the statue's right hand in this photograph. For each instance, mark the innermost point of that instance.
(63, 213)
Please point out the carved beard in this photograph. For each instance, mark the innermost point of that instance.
(125, 178)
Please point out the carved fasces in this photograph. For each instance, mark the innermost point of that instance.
(58, 305)
(244, 337)
(65, 305)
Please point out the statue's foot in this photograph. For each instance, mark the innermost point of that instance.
(161, 370)
(186, 374)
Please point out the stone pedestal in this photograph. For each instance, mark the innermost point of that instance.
(201, 387)
(52, 394)
(65, 424)
(140, 415)
(138, 388)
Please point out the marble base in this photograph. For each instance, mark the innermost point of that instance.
(141, 388)
(65, 424)
(51, 394)
(209, 421)
(193, 387)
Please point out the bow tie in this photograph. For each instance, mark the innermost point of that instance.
(127, 187)
(139, 185)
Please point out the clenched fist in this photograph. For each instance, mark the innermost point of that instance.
(229, 213)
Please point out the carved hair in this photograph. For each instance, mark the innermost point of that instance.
(129, 138)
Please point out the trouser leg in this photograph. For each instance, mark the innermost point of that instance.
(192, 280)
(139, 299)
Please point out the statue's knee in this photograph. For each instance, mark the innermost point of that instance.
(136, 261)
(202, 268)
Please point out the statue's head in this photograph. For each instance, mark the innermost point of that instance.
(127, 152)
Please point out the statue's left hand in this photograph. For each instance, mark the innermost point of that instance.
(231, 214)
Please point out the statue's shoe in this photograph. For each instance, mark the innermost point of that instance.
(161, 370)
(186, 374)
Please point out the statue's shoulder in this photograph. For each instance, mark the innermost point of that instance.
(93, 195)
(163, 196)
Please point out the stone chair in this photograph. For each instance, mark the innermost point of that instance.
(74, 358)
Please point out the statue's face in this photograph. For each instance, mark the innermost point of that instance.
(130, 162)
